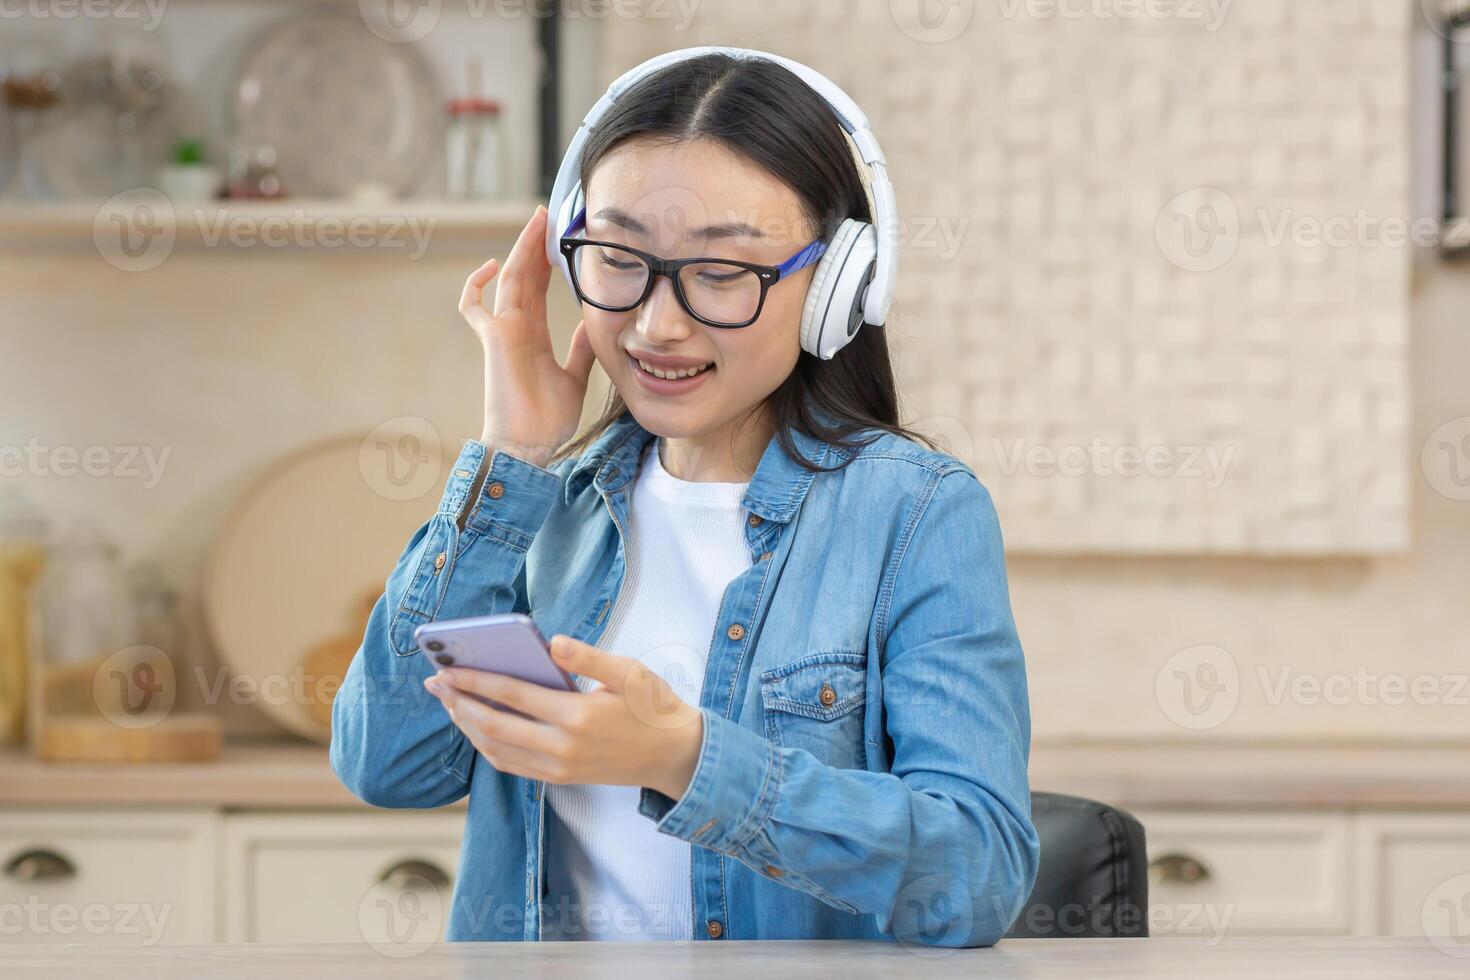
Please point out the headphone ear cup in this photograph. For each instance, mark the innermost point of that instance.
(569, 209)
(834, 302)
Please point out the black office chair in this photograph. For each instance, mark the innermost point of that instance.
(1093, 880)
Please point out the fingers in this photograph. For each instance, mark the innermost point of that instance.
(532, 699)
(469, 300)
(526, 270)
(518, 761)
(579, 355)
(480, 720)
(583, 658)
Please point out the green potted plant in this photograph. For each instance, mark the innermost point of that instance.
(189, 178)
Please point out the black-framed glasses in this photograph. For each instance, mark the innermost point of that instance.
(716, 292)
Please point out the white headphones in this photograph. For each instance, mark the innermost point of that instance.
(854, 280)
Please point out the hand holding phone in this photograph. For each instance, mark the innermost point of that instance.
(505, 643)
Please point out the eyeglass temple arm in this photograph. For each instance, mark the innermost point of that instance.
(577, 222)
(803, 258)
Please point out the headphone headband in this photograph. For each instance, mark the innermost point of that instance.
(852, 119)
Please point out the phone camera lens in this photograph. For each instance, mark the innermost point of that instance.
(444, 660)
(434, 645)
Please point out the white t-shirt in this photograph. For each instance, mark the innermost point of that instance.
(621, 878)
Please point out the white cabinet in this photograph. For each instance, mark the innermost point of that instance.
(1217, 873)
(1414, 873)
(339, 877)
(127, 876)
(184, 874)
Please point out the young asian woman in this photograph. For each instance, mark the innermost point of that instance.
(802, 708)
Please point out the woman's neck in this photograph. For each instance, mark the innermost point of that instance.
(722, 456)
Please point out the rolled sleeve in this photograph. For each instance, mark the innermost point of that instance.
(508, 501)
(735, 784)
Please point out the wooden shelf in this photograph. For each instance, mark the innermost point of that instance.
(214, 222)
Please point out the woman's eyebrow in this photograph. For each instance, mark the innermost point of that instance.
(730, 229)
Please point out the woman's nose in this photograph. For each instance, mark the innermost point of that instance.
(661, 319)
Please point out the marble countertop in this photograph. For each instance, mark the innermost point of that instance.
(296, 774)
(1034, 959)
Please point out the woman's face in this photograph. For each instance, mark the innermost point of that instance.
(679, 201)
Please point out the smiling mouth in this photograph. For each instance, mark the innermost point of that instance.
(670, 374)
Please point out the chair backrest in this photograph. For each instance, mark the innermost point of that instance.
(1093, 880)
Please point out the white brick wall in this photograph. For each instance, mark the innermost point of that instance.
(1079, 311)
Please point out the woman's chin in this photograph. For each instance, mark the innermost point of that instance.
(666, 419)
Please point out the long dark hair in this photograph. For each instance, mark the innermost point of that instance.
(767, 114)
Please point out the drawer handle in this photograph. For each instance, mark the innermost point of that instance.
(405, 871)
(1177, 869)
(39, 865)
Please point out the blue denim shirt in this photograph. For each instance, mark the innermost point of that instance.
(862, 773)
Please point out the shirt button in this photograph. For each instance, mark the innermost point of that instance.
(754, 520)
(735, 632)
(774, 871)
(714, 928)
(827, 696)
(765, 555)
(496, 490)
(439, 561)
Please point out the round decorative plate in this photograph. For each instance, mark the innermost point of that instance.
(303, 554)
(341, 106)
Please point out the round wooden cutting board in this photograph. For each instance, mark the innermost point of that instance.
(297, 560)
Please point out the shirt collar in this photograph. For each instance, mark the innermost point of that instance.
(776, 488)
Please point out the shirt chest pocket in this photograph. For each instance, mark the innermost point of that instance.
(816, 704)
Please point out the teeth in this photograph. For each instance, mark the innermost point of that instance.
(671, 374)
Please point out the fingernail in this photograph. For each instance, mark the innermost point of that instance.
(432, 683)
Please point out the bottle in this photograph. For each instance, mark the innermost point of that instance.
(476, 156)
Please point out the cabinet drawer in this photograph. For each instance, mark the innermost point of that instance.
(1415, 870)
(333, 877)
(125, 876)
(1241, 873)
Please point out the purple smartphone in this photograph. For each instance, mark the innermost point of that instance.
(506, 643)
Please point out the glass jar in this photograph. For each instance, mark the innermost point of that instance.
(23, 530)
(86, 629)
(476, 158)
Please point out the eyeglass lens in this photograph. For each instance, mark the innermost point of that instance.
(716, 291)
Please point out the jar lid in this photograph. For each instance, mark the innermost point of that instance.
(474, 106)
